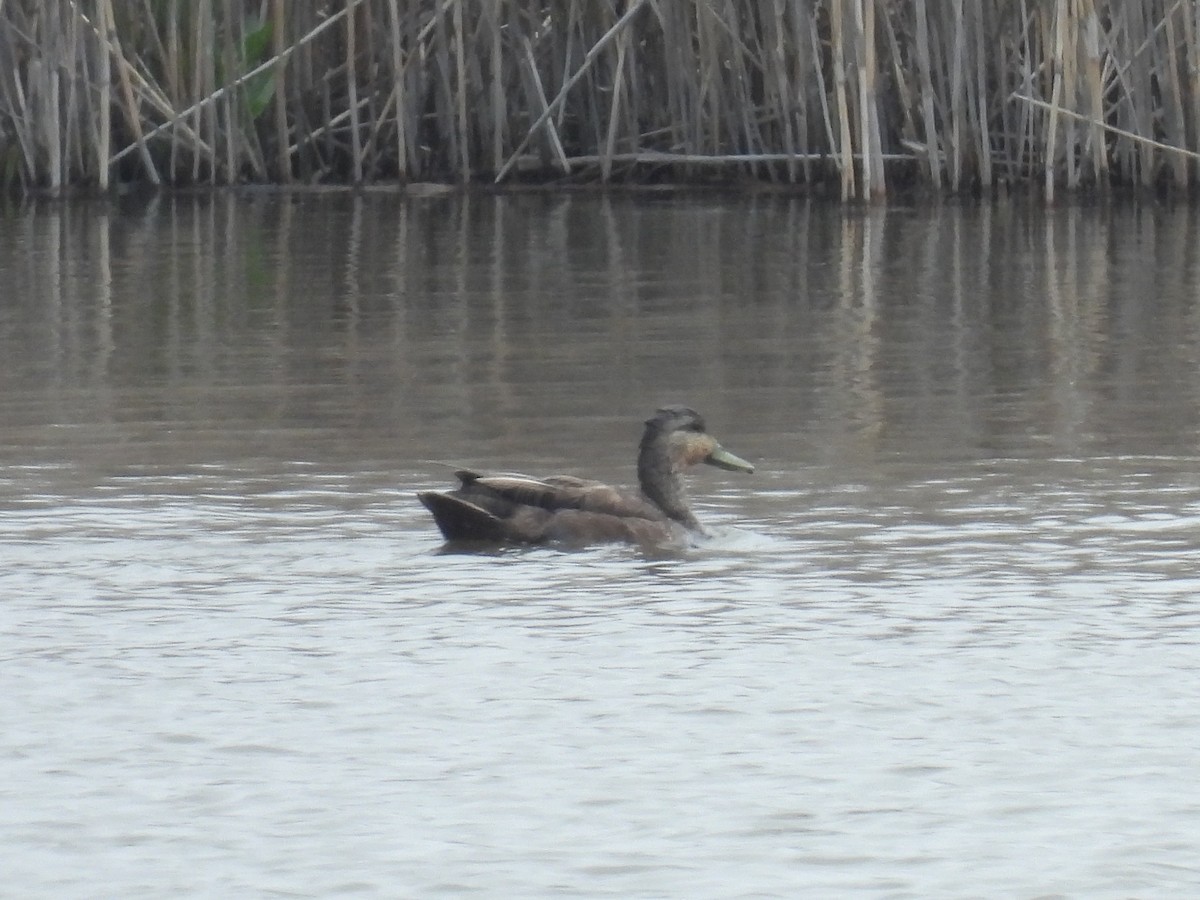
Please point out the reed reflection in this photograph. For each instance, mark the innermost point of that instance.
(960, 329)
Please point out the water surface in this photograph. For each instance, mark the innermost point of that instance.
(942, 643)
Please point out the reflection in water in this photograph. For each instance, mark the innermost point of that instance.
(498, 323)
(949, 627)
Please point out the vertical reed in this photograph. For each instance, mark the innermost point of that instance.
(1076, 94)
(283, 158)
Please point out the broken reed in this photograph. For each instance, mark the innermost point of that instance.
(860, 93)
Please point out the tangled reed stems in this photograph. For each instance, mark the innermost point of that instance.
(859, 95)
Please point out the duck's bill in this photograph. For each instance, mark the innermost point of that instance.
(723, 459)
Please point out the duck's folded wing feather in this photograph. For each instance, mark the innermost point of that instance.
(459, 519)
(562, 492)
(526, 491)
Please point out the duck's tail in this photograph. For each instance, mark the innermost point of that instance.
(461, 520)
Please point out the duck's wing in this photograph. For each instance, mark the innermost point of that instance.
(525, 490)
(461, 520)
(478, 517)
(561, 492)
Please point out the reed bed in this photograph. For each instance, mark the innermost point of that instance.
(858, 96)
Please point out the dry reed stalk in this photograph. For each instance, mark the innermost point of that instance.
(796, 93)
(460, 57)
(442, 115)
(1070, 82)
(844, 151)
(51, 111)
(283, 160)
(682, 100)
(352, 97)
(872, 147)
(905, 101)
(225, 105)
(104, 136)
(18, 111)
(588, 60)
(979, 101)
(172, 52)
(777, 120)
(1055, 101)
(1173, 118)
(175, 81)
(328, 127)
(957, 100)
(245, 134)
(1191, 39)
(1094, 89)
(742, 108)
(130, 106)
(802, 27)
(75, 156)
(823, 95)
(659, 158)
(1112, 129)
(203, 78)
(1028, 131)
(562, 55)
(494, 13)
(1142, 81)
(150, 33)
(372, 65)
(399, 94)
(610, 139)
(708, 121)
(539, 92)
(775, 116)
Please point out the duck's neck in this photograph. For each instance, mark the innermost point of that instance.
(662, 485)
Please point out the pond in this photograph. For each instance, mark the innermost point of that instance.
(942, 642)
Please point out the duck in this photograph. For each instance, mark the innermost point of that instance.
(568, 510)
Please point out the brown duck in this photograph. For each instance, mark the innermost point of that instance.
(570, 510)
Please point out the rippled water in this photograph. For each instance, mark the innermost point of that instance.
(942, 643)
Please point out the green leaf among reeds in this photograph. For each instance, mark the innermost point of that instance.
(256, 47)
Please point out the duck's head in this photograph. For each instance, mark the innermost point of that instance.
(677, 434)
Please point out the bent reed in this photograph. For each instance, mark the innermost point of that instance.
(856, 96)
